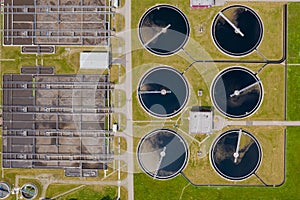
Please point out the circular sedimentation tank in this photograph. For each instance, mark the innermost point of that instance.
(237, 92)
(29, 191)
(237, 30)
(236, 154)
(163, 30)
(163, 91)
(162, 154)
(4, 190)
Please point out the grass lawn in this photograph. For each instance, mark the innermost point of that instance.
(117, 74)
(119, 22)
(293, 33)
(270, 14)
(95, 192)
(200, 46)
(293, 90)
(271, 139)
(272, 107)
(85, 193)
(289, 190)
(56, 189)
(146, 185)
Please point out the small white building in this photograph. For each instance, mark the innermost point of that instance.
(201, 120)
(94, 60)
(202, 3)
(115, 127)
(115, 3)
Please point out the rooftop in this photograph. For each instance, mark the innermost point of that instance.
(202, 3)
(94, 60)
(201, 120)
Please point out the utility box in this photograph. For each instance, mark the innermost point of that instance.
(115, 127)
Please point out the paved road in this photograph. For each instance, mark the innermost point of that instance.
(47, 179)
(127, 87)
(263, 123)
(266, 1)
(67, 192)
(119, 61)
(222, 2)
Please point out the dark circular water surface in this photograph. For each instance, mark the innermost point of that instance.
(29, 191)
(163, 91)
(162, 154)
(246, 163)
(4, 190)
(227, 83)
(169, 41)
(228, 40)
